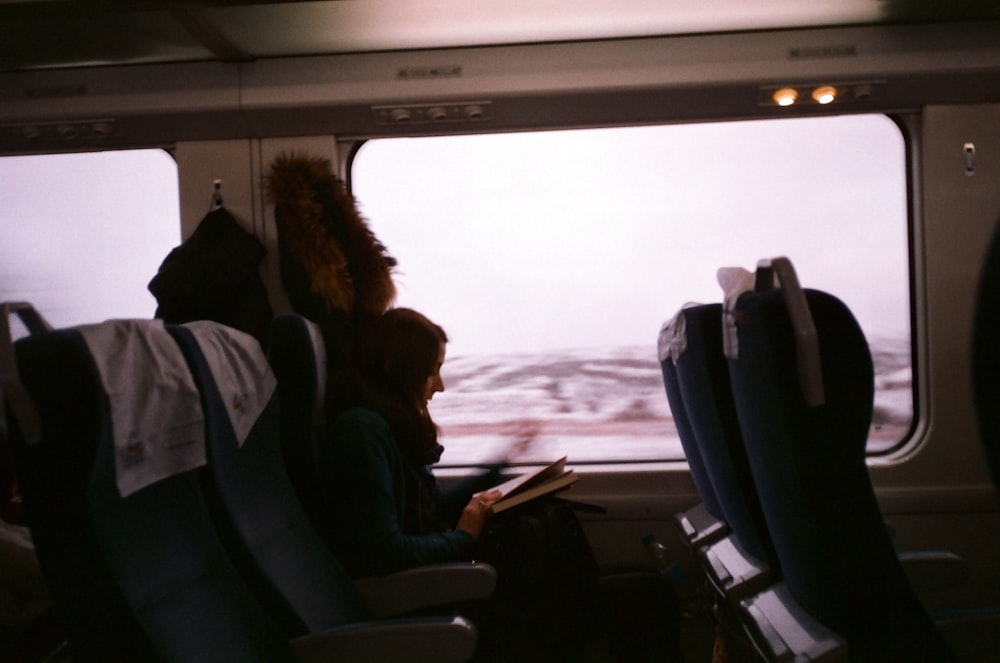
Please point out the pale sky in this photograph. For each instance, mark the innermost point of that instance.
(591, 238)
(82, 234)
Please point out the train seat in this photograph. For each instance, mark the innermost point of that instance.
(802, 381)
(255, 508)
(262, 524)
(744, 561)
(966, 636)
(114, 492)
(132, 560)
(297, 356)
(703, 522)
(986, 357)
(737, 572)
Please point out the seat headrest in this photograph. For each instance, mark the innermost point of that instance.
(240, 371)
(12, 391)
(770, 273)
(672, 340)
(157, 422)
(734, 282)
(298, 349)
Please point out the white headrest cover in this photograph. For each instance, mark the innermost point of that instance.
(156, 417)
(734, 282)
(672, 341)
(240, 370)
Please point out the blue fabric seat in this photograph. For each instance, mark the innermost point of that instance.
(141, 577)
(986, 357)
(804, 404)
(703, 377)
(298, 357)
(705, 521)
(742, 566)
(258, 515)
(741, 561)
(127, 515)
(272, 541)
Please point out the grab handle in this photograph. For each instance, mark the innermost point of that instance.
(803, 326)
(11, 388)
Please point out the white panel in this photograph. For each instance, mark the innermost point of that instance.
(161, 90)
(199, 164)
(653, 63)
(959, 214)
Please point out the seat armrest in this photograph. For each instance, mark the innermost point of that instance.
(782, 631)
(732, 571)
(698, 527)
(427, 586)
(449, 640)
(971, 633)
(932, 571)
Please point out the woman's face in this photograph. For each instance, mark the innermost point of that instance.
(434, 381)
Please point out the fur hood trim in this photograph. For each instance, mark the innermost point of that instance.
(330, 259)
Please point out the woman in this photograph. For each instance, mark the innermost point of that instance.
(385, 510)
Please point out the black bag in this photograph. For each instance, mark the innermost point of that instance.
(542, 609)
(540, 550)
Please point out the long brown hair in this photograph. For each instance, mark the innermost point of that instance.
(387, 369)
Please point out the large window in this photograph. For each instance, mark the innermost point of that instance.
(552, 259)
(84, 233)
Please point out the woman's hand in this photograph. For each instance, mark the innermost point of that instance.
(477, 512)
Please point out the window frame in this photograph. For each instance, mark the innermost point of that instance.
(907, 124)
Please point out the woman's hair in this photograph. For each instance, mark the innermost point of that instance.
(387, 369)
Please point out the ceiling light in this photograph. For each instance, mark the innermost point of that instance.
(786, 96)
(825, 94)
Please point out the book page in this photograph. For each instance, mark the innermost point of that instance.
(529, 479)
(526, 494)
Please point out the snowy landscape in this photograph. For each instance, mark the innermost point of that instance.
(603, 405)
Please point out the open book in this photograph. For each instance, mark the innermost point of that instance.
(549, 479)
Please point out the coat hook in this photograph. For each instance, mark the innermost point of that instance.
(217, 194)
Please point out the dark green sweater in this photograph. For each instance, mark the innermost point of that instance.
(364, 500)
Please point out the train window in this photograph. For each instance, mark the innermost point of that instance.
(552, 258)
(84, 233)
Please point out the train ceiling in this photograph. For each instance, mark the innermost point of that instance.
(48, 34)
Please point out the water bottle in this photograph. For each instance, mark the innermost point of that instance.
(657, 554)
(659, 557)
